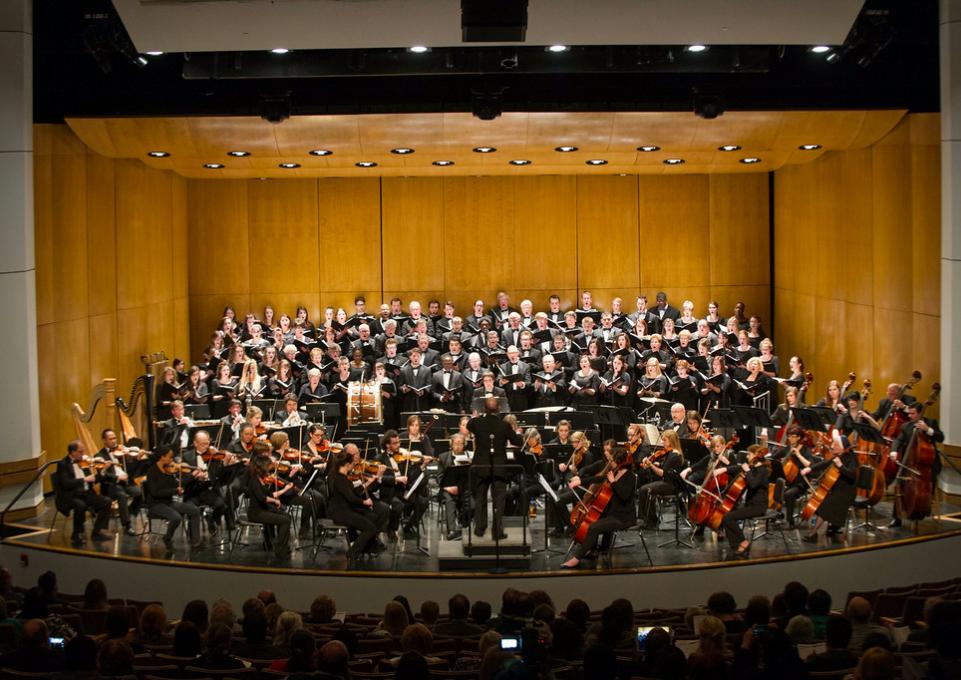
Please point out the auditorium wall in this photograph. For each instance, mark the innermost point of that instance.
(111, 272)
(857, 259)
(318, 242)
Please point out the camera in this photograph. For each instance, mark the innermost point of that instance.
(512, 643)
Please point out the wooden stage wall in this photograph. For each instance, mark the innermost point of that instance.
(111, 273)
(857, 259)
(319, 242)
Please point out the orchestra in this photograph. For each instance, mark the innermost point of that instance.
(243, 422)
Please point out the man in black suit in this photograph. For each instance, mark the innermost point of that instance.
(115, 480)
(549, 384)
(415, 384)
(75, 494)
(447, 385)
(515, 379)
(893, 399)
(456, 353)
(173, 433)
(491, 435)
(653, 324)
(458, 606)
(511, 335)
(428, 357)
(487, 389)
(664, 310)
(202, 486)
(927, 427)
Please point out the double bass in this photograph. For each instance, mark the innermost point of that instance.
(892, 424)
(916, 478)
(869, 454)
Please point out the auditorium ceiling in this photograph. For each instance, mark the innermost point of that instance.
(413, 144)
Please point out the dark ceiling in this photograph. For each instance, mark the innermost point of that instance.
(85, 66)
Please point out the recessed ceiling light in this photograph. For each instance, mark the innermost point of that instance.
(279, 50)
(320, 152)
(484, 149)
(288, 166)
(809, 147)
(648, 148)
(158, 154)
(565, 149)
(832, 57)
(673, 161)
(443, 164)
(153, 53)
(696, 48)
(729, 147)
(750, 160)
(402, 151)
(141, 60)
(520, 161)
(238, 154)
(596, 161)
(558, 48)
(418, 49)
(366, 164)
(820, 49)
(213, 166)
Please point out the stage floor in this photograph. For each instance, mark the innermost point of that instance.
(403, 558)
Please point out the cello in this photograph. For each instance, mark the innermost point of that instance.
(892, 424)
(828, 478)
(916, 479)
(706, 500)
(591, 507)
(782, 433)
(733, 493)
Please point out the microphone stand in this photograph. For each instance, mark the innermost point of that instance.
(496, 530)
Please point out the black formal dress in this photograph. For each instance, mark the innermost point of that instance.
(755, 502)
(270, 516)
(619, 513)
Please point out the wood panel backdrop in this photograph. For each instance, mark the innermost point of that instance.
(132, 260)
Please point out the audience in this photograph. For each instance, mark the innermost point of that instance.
(605, 644)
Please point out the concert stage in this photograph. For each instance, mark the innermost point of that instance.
(680, 575)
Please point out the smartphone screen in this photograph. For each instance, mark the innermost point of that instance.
(56, 642)
(510, 643)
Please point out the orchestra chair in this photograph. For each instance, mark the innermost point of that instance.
(679, 502)
(56, 512)
(194, 672)
(327, 528)
(634, 528)
(772, 515)
(147, 533)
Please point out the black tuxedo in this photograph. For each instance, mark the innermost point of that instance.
(491, 435)
(122, 492)
(455, 385)
(667, 313)
(517, 398)
(412, 401)
(171, 434)
(510, 336)
(545, 397)
(74, 495)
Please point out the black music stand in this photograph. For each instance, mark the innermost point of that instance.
(612, 421)
(826, 415)
(752, 416)
(322, 411)
(693, 450)
(458, 475)
(477, 404)
(725, 418)
(268, 406)
(808, 418)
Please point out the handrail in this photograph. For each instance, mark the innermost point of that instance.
(36, 476)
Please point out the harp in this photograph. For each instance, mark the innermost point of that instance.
(105, 392)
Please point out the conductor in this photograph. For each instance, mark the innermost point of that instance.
(491, 435)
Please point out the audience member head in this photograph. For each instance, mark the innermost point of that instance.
(187, 640)
(267, 597)
(35, 635)
(795, 598)
(219, 638)
(458, 607)
(523, 605)
(405, 603)
(223, 612)
(707, 666)
(196, 613)
(118, 625)
(287, 624)
(819, 602)
(348, 638)
(722, 605)
(332, 658)
(255, 626)
(250, 604)
(858, 610)
(153, 622)
(395, 618)
(47, 582)
(302, 649)
(480, 612)
(115, 658)
(487, 641)
(411, 666)
(578, 613)
(542, 597)
(95, 594)
(837, 632)
(757, 612)
(800, 629)
(712, 635)
(778, 606)
(543, 613)
(34, 604)
(322, 609)
(272, 611)
(877, 638)
(600, 663)
(493, 662)
(876, 664)
(429, 612)
(944, 627)
(80, 654)
(416, 637)
(567, 642)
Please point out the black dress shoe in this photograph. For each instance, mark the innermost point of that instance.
(894, 523)
(454, 535)
(100, 536)
(128, 530)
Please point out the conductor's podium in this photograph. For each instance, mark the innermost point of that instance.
(481, 554)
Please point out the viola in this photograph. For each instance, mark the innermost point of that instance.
(94, 464)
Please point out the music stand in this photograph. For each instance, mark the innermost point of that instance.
(753, 416)
(693, 450)
(457, 475)
(726, 418)
(826, 415)
(322, 411)
(867, 432)
(268, 406)
(477, 404)
(808, 418)
(197, 411)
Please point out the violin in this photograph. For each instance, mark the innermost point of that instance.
(535, 450)
(94, 464)
(173, 468)
(405, 456)
(653, 459)
(213, 454)
(364, 469)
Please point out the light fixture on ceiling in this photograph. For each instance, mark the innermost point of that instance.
(279, 50)
(820, 49)
(596, 161)
(648, 148)
(238, 154)
(520, 161)
(320, 152)
(558, 48)
(442, 164)
(672, 161)
(418, 49)
(696, 48)
(288, 166)
(729, 147)
(832, 57)
(484, 149)
(809, 147)
(565, 149)
(750, 160)
(366, 164)
(158, 154)
(153, 53)
(213, 166)
(402, 150)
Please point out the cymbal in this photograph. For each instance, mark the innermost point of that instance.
(654, 400)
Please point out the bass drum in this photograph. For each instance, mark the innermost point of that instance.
(364, 404)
